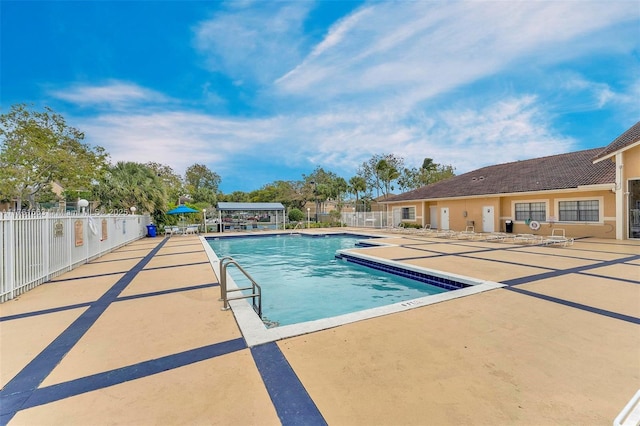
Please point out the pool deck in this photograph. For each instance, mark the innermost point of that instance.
(138, 337)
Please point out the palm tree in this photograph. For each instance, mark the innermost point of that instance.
(386, 173)
(357, 184)
(130, 184)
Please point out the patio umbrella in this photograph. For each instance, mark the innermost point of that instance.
(182, 209)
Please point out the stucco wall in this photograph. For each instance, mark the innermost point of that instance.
(631, 160)
(462, 211)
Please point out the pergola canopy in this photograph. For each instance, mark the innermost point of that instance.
(250, 207)
(240, 211)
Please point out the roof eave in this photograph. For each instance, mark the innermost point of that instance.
(581, 188)
(614, 153)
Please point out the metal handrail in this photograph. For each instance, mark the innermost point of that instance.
(256, 290)
(296, 227)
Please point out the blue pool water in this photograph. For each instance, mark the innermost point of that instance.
(302, 280)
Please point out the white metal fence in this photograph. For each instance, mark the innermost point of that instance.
(365, 219)
(37, 246)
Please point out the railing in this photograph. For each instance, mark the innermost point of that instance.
(296, 227)
(376, 219)
(256, 291)
(36, 246)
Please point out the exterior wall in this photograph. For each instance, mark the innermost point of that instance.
(396, 215)
(631, 159)
(605, 228)
(461, 212)
(628, 194)
(464, 211)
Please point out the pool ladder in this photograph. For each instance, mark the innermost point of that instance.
(256, 291)
(295, 227)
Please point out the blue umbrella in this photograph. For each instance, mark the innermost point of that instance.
(181, 209)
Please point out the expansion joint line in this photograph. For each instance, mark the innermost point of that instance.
(19, 389)
(513, 285)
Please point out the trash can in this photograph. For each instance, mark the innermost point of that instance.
(151, 230)
(508, 226)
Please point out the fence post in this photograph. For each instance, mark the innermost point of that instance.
(46, 235)
(10, 256)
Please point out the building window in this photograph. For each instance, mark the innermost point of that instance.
(579, 211)
(408, 213)
(531, 211)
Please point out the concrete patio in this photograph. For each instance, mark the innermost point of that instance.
(138, 337)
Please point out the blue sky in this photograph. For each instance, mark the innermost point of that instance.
(269, 90)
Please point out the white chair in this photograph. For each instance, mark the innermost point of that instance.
(468, 233)
(496, 236)
(558, 237)
(527, 239)
(192, 229)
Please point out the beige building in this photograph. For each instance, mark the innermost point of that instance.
(594, 192)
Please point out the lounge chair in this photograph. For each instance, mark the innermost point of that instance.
(191, 229)
(426, 230)
(496, 236)
(415, 231)
(527, 239)
(558, 237)
(446, 233)
(467, 234)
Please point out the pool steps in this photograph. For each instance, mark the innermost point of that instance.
(442, 282)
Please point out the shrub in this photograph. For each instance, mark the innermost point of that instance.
(296, 215)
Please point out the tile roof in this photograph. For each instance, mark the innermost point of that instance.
(555, 172)
(627, 138)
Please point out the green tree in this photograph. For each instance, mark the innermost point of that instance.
(357, 184)
(380, 171)
(129, 184)
(319, 186)
(171, 181)
(429, 173)
(202, 184)
(235, 197)
(285, 192)
(339, 188)
(37, 149)
(291, 194)
(386, 172)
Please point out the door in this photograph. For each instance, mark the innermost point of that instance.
(444, 218)
(488, 219)
(397, 217)
(433, 217)
(634, 209)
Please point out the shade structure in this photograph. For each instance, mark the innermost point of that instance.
(182, 209)
(242, 210)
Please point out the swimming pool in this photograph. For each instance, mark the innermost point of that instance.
(303, 280)
(254, 330)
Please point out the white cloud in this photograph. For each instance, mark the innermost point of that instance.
(427, 48)
(113, 94)
(509, 130)
(578, 93)
(175, 138)
(467, 138)
(393, 77)
(253, 43)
